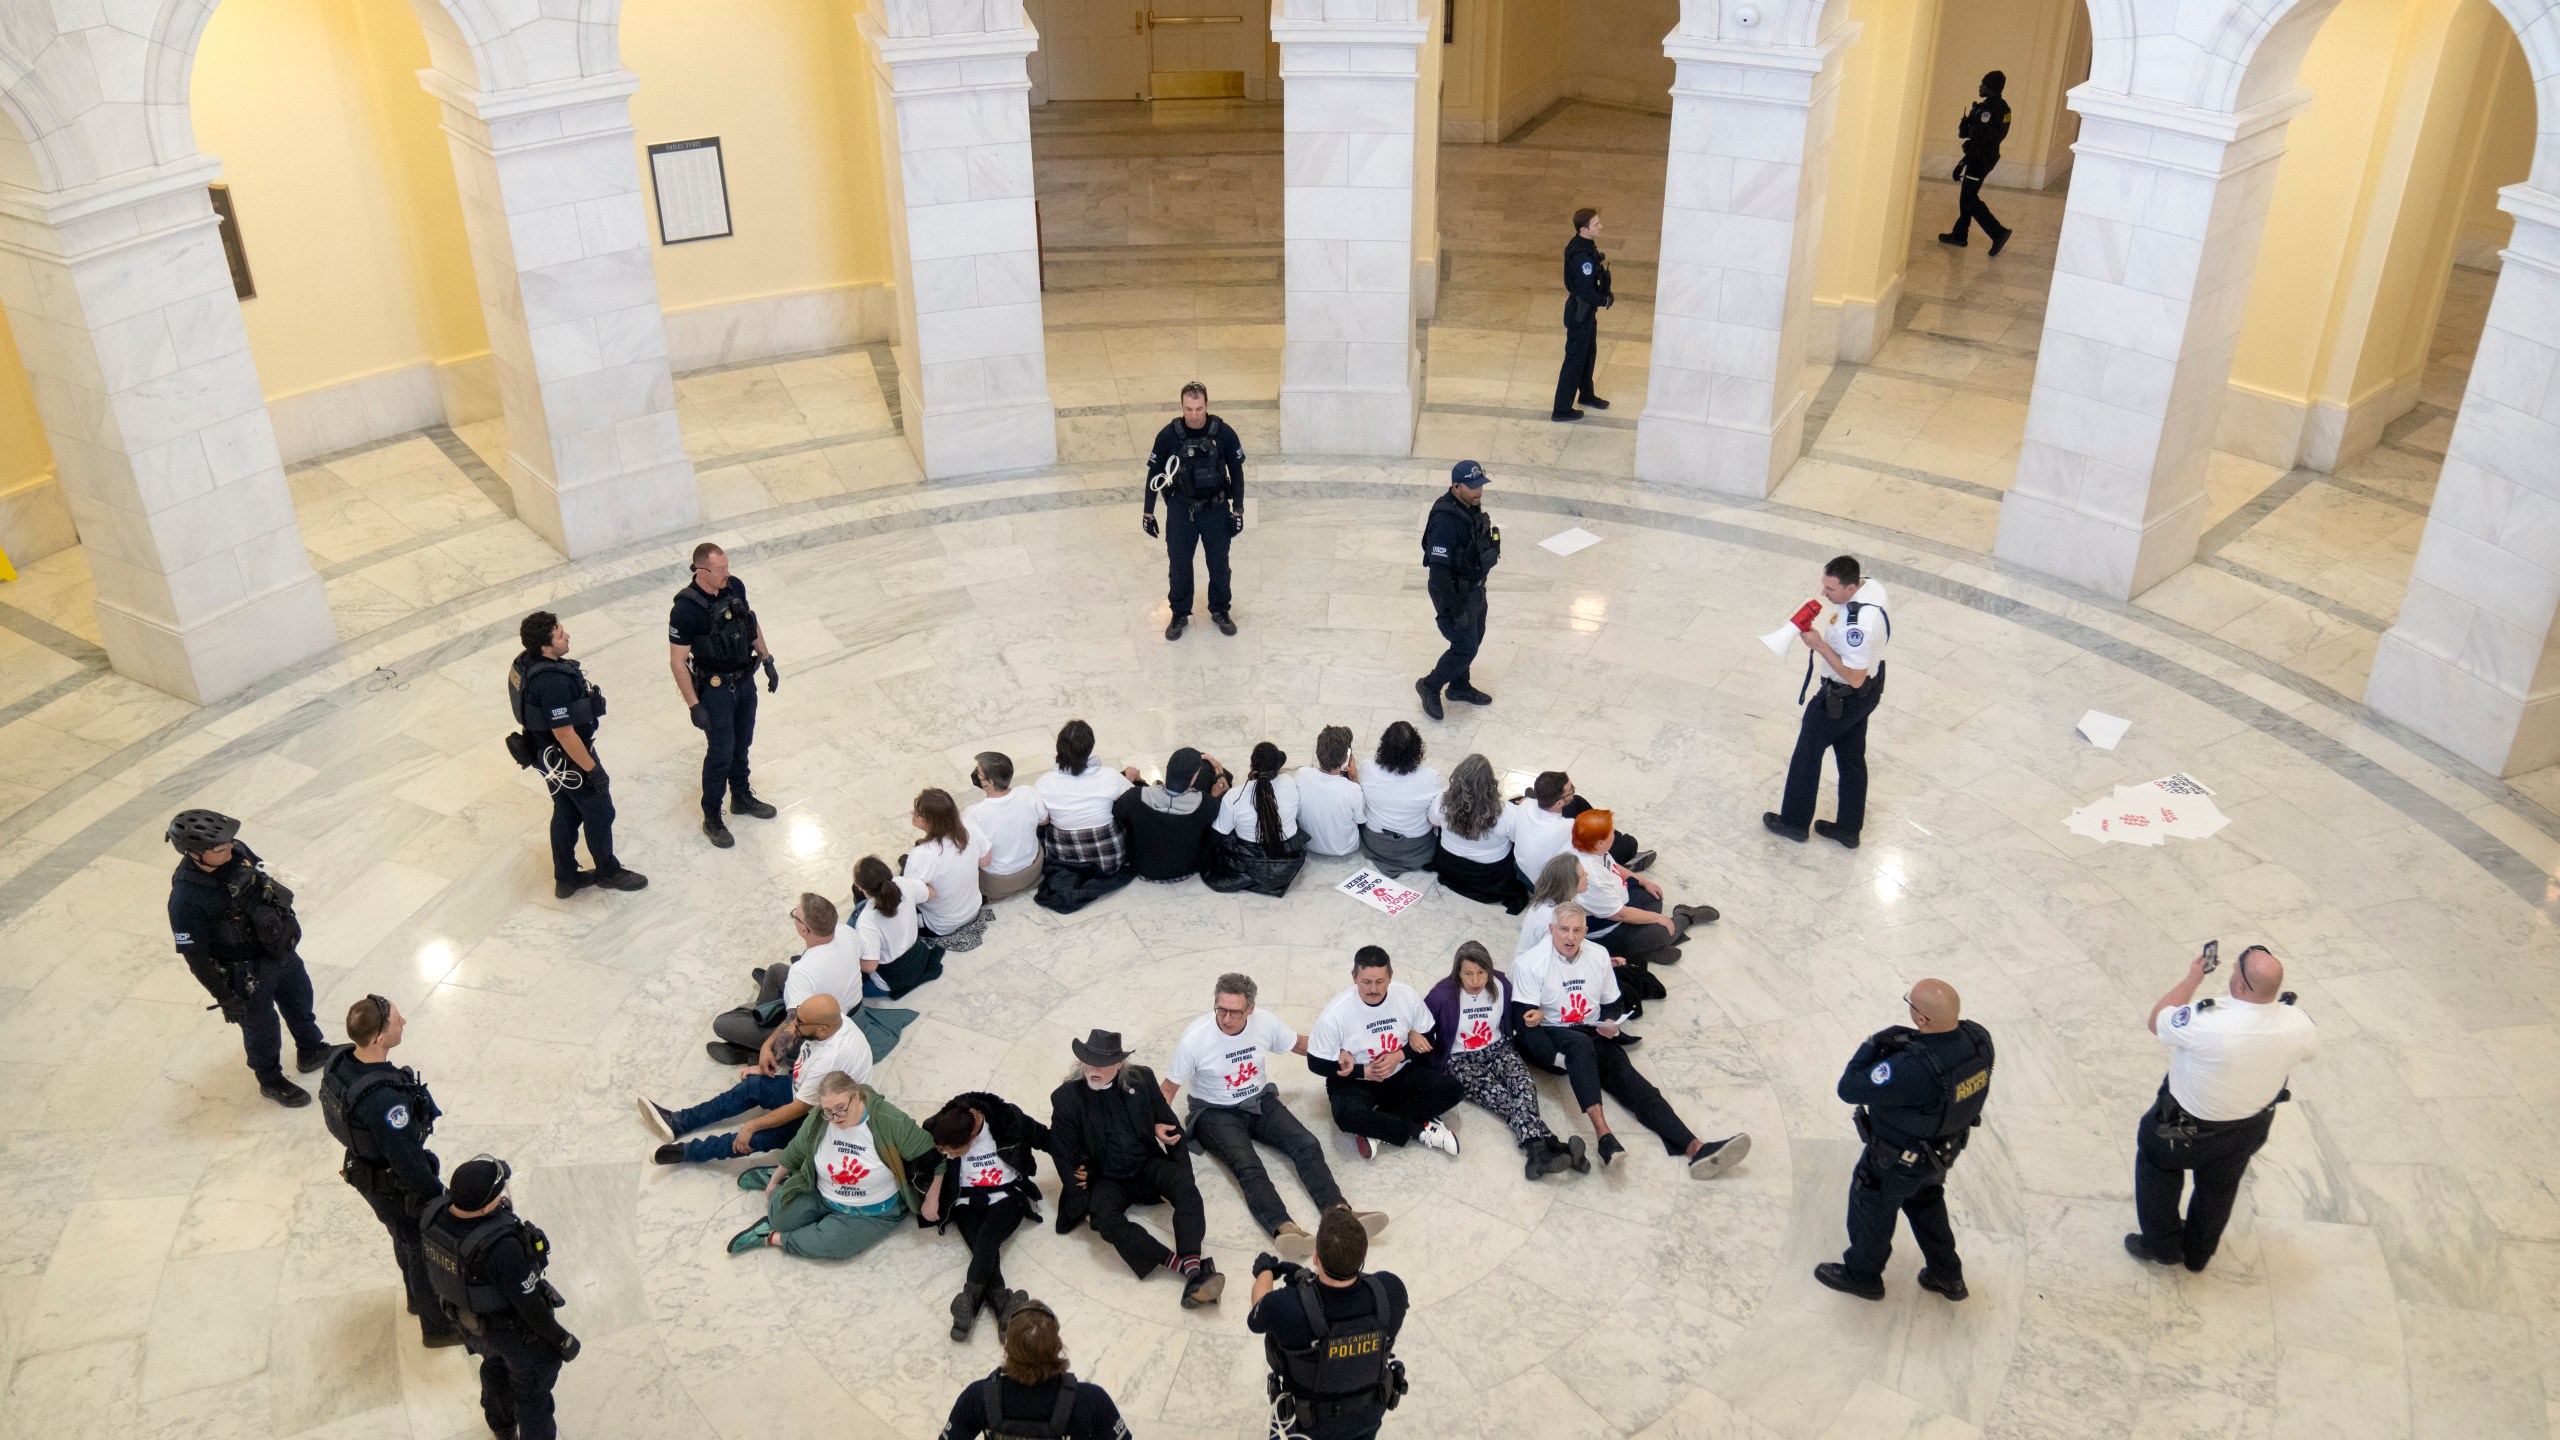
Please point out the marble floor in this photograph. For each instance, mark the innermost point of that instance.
(178, 1259)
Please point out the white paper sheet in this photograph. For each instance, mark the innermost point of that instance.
(2177, 805)
(2101, 729)
(1571, 540)
(1378, 892)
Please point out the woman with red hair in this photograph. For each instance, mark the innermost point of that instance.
(1628, 913)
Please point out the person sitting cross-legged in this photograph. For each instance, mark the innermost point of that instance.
(825, 1043)
(842, 1184)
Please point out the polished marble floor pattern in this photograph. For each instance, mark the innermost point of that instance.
(177, 1258)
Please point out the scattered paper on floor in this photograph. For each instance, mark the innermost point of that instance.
(1574, 539)
(1373, 889)
(2177, 805)
(2101, 729)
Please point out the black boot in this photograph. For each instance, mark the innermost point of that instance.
(964, 1310)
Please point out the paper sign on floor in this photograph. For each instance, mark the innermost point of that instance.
(1373, 889)
(1570, 541)
(2102, 730)
(2149, 814)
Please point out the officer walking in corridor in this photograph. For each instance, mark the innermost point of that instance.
(1586, 294)
(1982, 129)
(714, 644)
(1460, 547)
(382, 1114)
(487, 1267)
(2228, 1064)
(1919, 1089)
(1329, 1334)
(558, 709)
(234, 926)
(1848, 651)
(1198, 465)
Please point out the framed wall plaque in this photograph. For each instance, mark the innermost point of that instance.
(693, 190)
(232, 251)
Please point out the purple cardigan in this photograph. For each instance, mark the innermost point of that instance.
(1442, 1002)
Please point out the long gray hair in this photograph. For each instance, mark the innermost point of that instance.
(1472, 804)
(1559, 880)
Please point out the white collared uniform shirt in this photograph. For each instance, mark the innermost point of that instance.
(2228, 1059)
(1860, 646)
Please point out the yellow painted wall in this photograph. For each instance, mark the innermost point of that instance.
(2506, 143)
(24, 453)
(1534, 66)
(1617, 51)
(1875, 150)
(2030, 41)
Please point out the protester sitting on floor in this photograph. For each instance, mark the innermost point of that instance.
(1363, 1045)
(1078, 796)
(1542, 823)
(1629, 912)
(840, 1187)
(1472, 1013)
(889, 928)
(1475, 828)
(1559, 879)
(1569, 1008)
(785, 1092)
(1118, 1145)
(1255, 844)
(1330, 804)
(1397, 791)
(947, 860)
(980, 1179)
(1168, 824)
(830, 960)
(1011, 821)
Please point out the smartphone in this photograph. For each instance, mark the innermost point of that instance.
(2212, 955)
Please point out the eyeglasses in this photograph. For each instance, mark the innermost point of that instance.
(1239, 1012)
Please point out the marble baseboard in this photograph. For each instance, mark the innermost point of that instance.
(982, 440)
(470, 389)
(1519, 110)
(2478, 248)
(769, 326)
(1346, 422)
(331, 418)
(2108, 556)
(219, 656)
(1850, 330)
(1426, 286)
(2284, 432)
(1652, 98)
(2262, 427)
(35, 520)
(2445, 702)
(2335, 434)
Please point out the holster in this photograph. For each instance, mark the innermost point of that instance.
(469, 1320)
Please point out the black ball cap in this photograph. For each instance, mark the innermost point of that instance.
(196, 831)
(477, 1182)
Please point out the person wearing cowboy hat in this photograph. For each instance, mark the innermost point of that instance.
(1117, 1145)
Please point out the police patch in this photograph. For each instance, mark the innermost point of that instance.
(2180, 1016)
(1856, 636)
(1586, 267)
(397, 1116)
(185, 939)
(1882, 1073)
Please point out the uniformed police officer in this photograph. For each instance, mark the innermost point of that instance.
(1919, 1089)
(234, 926)
(1586, 294)
(558, 708)
(1034, 1396)
(1329, 1335)
(487, 1267)
(714, 644)
(1460, 547)
(1848, 650)
(2228, 1063)
(382, 1114)
(1982, 129)
(1198, 465)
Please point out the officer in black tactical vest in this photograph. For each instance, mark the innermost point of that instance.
(1198, 465)
(382, 1114)
(486, 1265)
(1982, 130)
(558, 708)
(1034, 1396)
(714, 644)
(1460, 547)
(1919, 1089)
(1329, 1334)
(234, 926)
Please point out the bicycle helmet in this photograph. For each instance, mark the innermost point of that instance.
(196, 831)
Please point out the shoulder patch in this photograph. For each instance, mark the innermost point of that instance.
(1586, 267)
(397, 1117)
(2180, 1016)
(185, 938)
(1882, 1073)
(674, 635)
(1856, 636)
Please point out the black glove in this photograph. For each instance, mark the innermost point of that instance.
(1267, 1263)
(695, 711)
(1147, 522)
(234, 1009)
(1238, 517)
(1959, 171)
(568, 1347)
(772, 677)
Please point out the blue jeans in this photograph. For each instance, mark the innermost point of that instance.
(756, 1092)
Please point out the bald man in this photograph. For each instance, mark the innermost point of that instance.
(2228, 1064)
(784, 1087)
(1919, 1089)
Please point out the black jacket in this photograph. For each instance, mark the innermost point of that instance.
(398, 1120)
(206, 926)
(1586, 281)
(1982, 129)
(1079, 1116)
(1229, 459)
(1018, 1139)
(1460, 539)
(1162, 845)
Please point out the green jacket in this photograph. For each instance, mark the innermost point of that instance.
(901, 1140)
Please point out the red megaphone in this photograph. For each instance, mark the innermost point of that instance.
(1803, 618)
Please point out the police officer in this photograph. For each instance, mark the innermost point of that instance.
(382, 1114)
(558, 708)
(1586, 294)
(234, 926)
(1849, 652)
(1919, 1089)
(1460, 547)
(486, 1265)
(2228, 1063)
(1034, 1396)
(1329, 1334)
(714, 644)
(1982, 129)
(1198, 464)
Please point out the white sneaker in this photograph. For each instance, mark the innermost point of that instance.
(1439, 1137)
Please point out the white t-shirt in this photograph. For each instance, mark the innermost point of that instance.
(981, 1168)
(850, 1170)
(1479, 1018)
(886, 937)
(2228, 1060)
(1537, 836)
(832, 968)
(1603, 893)
(1533, 928)
(1860, 645)
(952, 871)
(1400, 804)
(1011, 823)
(845, 1050)
(1330, 809)
(1237, 817)
(1224, 1069)
(1082, 801)
(1494, 844)
(1570, 992)
(1369, 1031)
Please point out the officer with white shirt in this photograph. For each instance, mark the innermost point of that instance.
(1848, 653)
(2228, 1063)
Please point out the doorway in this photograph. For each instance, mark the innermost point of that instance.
(1169, 50)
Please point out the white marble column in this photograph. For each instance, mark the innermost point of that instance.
(1350, 378)
(2159, 243)
(954, 98)
(2474, 662)
(1741, 224)
(124, 316)
(559, 230)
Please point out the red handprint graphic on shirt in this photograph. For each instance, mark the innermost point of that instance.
(1476, 1036)
(988, 1174)
(1388, 1044)
(1244, 1075)
(848, 1171)
(1576, 1009)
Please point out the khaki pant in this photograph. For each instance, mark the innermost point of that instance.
(993, 887)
